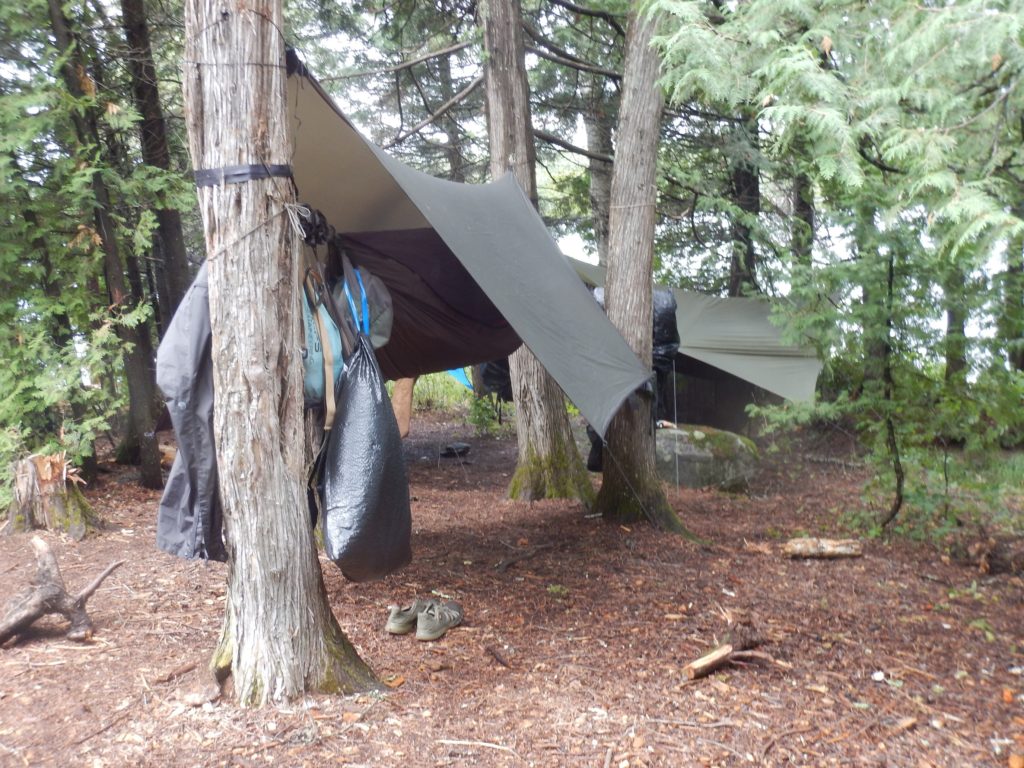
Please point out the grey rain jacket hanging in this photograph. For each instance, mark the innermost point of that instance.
(189, 520)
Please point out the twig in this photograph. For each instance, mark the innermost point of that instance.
(611, 74)
(497, 656)
(693, 723)
(720, 745)
(113, 721)
(502, 565)
(758, 656)
(404, 65)
(177, 672)
(777, 737)
(550, 138)
(487, 744)
(86, 593)
(460, 96)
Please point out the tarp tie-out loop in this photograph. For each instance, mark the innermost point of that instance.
(236, 174)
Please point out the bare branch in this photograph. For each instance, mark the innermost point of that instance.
(550, 138)
(458, 97)
(86, 593)
(609, 73)
(535, 34)
(583, 11)
(403, 65)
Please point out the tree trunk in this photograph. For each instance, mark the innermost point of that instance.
(631, 490)
(955, 342)
(598, 121)
(804, 226)
(1011, 323)
(453, 145)
(889, 395)
(280, 638)
(746, 193)
(138, 367)
(170, 257)
(549, 463)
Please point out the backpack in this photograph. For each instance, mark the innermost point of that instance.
(324, 353)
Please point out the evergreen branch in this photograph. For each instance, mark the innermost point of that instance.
(550, 138)
(403, 65)
(457, 98)
(577, 65)
(592, 13)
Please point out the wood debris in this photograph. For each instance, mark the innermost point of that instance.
(46, 595)
(823, 548)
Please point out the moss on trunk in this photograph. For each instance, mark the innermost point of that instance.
(347, 673)
(343, 671)
(556, 476)
(619, 502)
(44, 499)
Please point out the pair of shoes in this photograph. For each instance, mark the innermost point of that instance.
(402, 620)
(437, 618)
(431, 618)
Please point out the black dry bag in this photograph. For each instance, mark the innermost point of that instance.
(367, 522)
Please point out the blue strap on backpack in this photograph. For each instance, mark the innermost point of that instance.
(362, 320)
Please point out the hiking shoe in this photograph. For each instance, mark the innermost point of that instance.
(402, 620)
(437, 618)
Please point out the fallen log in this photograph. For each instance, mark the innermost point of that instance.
(47, 594)
(823, 548)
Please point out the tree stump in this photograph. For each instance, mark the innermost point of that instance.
(47, 594)
(44, 497)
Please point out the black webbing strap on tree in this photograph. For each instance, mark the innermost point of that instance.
(236, 174)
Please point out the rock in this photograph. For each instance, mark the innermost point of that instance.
(700, 457)
(455, 450)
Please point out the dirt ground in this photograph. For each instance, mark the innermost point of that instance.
(572, 655)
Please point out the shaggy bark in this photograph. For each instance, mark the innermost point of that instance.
(598, 120)
(280, 638)
(631, 489)
(549, 463)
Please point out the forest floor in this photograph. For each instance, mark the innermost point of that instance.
(572, 655)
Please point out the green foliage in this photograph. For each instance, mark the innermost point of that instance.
(908, 134)
(440, 393)
(62, 379)
(488, 415)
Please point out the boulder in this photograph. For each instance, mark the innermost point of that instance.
(701, 457)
